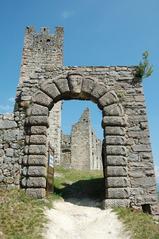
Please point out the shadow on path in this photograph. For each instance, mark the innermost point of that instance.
(83, 192)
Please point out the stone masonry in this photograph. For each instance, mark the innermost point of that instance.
(126, 151)
(81, 149)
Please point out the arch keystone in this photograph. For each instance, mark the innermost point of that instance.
(75, 83)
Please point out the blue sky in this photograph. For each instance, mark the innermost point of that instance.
(97, 32)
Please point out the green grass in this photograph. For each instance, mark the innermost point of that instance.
(21, 217)
(141, 225)
(78, 184)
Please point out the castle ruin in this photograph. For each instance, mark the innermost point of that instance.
(81, 149)
(25, 135)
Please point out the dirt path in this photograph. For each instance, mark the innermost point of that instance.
(71, 221)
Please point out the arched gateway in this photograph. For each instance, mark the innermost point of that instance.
(127, 159)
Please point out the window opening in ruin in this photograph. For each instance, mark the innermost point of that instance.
(77, 126)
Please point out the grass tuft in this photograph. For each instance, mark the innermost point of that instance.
(21, 217)
(141, 225)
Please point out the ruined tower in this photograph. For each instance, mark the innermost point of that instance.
(81, 149)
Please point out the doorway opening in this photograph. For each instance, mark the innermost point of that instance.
(78, 169)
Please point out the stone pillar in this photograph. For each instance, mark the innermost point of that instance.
(54, 130)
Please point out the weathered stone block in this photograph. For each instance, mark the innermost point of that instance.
(110, 203)
(118, 193)
(39, 130)
(38, 139)
(113, 171)
(116, 160)
(98, 91)
(9, 152)
(133, 157)
(7, 124)
(37, 160)
(62, 85)
(51, 90)
(115, 140)
(116, 150)
(113, 110)
(141, 148)
(88, 85)
(36, 182)
(38, 149)
(39, 110)
(37, 171)
(117, 182)
(108, 99)
(110, 130)
(143, 182)
(11, 135)
(114, 121)
(42, 99)
(36, 192)
(39, 120)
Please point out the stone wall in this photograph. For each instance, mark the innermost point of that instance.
(96, 150)
(65, 144)
(11, 140)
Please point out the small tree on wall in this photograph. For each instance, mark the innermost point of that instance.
(144, 69)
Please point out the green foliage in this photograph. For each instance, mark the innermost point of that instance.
(21, 217)
(141, 225)
(144, 69)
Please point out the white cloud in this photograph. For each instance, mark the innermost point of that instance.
(67, 14)
(11, 99)
(8, 107)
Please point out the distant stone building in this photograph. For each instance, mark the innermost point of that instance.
(81, 149)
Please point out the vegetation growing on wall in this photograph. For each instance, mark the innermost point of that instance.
(144, 69)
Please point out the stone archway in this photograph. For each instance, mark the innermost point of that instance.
(76, 86)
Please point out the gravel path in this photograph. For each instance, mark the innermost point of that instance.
(71, 221)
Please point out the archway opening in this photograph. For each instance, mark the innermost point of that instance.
(76, 136)
(114, 123)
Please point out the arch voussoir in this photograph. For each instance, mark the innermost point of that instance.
(51, 90)
(108, 98)
(98, 90)
(88, 85)
(62, 85)
(42, 98)
(115, 109)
